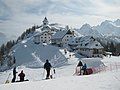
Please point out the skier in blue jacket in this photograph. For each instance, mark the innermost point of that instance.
(84, 68)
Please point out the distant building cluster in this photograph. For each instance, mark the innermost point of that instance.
(86, 45)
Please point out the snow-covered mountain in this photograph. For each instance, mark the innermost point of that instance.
(117, 22)
(106, 28)
(107, 31)
(87, 30)
(109, 28)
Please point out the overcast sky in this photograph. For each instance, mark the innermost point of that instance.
(17, 15)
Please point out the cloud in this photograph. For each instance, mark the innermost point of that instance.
(5, 12)
(77, 7)
(17, 15)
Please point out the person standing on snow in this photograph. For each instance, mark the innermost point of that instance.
(84, 68)
(14, 74)
(80, 65)
(47, 66)
(21, 75)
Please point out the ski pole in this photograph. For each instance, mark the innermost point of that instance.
(54, 71)
(7, 81)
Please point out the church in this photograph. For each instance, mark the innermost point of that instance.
(45, 33)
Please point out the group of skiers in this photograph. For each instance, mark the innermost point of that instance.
(21, 75)
(47, 67)
(81, 69)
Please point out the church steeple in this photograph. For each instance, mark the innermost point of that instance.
(45, 21)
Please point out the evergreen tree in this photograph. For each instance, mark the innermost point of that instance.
(18, 39)
(23, 35)
(1, 58)
(33, 28)
(112, 48)
(106, 47)
(2, 49)
(118, 48)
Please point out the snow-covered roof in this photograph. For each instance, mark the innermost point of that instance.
(94, 44)
(92, 62)
(41, 33)
(45, 28)
(89, 42)
(45, 20)
(59, 34)
(74, 41)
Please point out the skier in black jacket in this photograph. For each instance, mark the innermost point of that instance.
(47, 66)
(80, 65)
(14, 74)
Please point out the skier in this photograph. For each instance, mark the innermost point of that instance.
(84, 68)
(14, 75)
(80, 66)
(21, 75)
(47, 66)
(65, 51)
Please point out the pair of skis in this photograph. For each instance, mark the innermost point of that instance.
(52, 74)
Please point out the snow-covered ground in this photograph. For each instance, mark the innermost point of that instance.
(64, 80)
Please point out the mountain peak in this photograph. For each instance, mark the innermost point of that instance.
(106, 22)
(117, 22)
(86, 26)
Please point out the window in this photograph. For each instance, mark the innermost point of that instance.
(41, 37)
(45, 34)
(96, 45)
(45, 37)
(86, 44)
(96, 51)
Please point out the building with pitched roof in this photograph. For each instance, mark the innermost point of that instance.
(62, 37)
(44, 37)
(90, 47)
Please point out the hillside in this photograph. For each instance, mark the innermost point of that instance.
(29, 53)
(108, 79)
